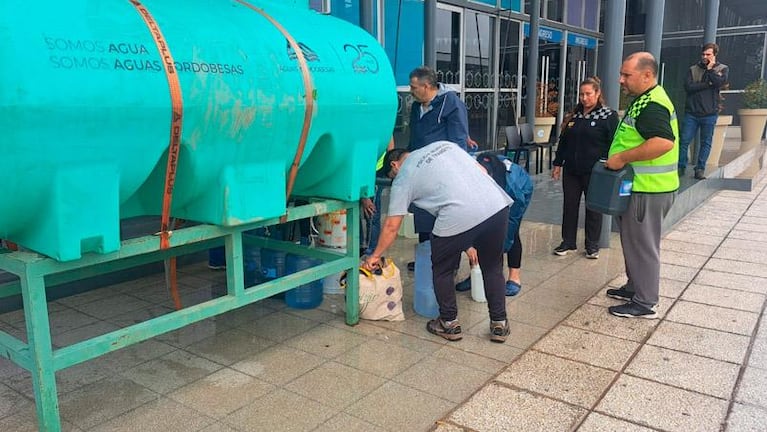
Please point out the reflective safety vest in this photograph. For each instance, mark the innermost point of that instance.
(655, 175)
(380, 162)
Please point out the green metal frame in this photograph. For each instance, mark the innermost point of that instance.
(37, 273)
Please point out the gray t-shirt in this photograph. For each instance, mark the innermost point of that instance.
(444, 180)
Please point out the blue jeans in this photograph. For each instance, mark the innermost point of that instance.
(689, 128)
(373, 225)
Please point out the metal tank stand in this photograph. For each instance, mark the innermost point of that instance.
(39, 274)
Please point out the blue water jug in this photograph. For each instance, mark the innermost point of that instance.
(272, 264)
(217, 258)
(307, 296)
(251, 266)
(424, 300)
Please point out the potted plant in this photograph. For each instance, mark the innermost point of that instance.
(753, 115)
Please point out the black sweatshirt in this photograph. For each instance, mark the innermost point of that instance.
(585, 139)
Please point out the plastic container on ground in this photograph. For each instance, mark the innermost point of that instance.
(331, 229)
(332, 284)
(477, 285)
(424, 299)
(307, 296)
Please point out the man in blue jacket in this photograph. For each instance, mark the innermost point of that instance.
(437, 113)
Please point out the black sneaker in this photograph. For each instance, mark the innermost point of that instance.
(621, 293)
(699, 174)
(563, 248)
(499, 330)
(592, 253)
(411, 266)
(632, 310)
(448, 330)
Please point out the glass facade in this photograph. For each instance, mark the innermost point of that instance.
(482, 50)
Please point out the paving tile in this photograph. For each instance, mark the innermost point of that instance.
(117, 304)
(751, 389)
(139, 316)
(535, 314)
(347, 423)
(25, 420)
(758, 256)
(746, 418)
(693, 237)
(730, 280)
(761, 228)
(380, 358)
(661, 406)
(344, 383)
(68, 319)
(443, 378)
(400, 414)
(82, 333)
(734, 243)
(67, 380)
(278, 326)
(443, 426)
(724, 297)
(269, 365)
(9, 368)
(161, 415)
(701, 341)
(758, 357)
(558, 299)
(596, 422)
(171, 371)
(588, 347)
(102, 401)
(754, 220)
(688, 371)
(713, 317)
(218, 427)
(475, 361)
(193, 333)
(280, 410)
(221, 393)
(739, 267)
(522, 335)
(530, 412)
(11, 401)
(326, 341)
(557, 378)
(597, 319)
(707, 230)
(684, 259)
(747, 235)
(229, 347)
(675, 272)
(668, 245)
(87, 297)
(132, 355)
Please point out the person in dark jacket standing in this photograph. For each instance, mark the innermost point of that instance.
(586, 136)
(437, 114)
(701, 109)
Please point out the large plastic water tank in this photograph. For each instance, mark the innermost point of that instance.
(85, 113)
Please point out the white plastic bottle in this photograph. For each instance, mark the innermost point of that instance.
(477, 285)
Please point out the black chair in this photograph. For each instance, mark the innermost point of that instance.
(515, 147)
(528, 139)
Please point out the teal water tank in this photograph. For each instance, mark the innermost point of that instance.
(85, 114)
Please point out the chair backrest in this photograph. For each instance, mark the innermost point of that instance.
(513, 140)
(527, 134)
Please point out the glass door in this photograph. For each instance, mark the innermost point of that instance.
(580, 65)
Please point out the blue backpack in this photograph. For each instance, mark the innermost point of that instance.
(517, 184)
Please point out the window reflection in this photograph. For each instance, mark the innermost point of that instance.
(448, 44)
(479, 50)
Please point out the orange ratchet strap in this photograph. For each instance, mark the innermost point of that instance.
(177, 112)
(308, 87)
(177, 105)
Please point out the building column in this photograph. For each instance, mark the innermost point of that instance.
(366, 16)
(712, 21)
(609, 70)
(654, 27)
(532, 61)
(430, 33)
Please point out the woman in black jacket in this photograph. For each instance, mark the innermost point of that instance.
(586, 135)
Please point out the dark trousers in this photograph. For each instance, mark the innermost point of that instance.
(487, 238)
(575, 186)
(514, 255)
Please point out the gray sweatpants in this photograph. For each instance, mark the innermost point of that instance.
(640, 236)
